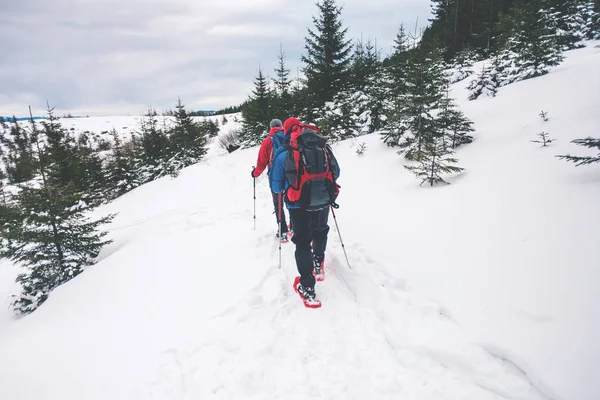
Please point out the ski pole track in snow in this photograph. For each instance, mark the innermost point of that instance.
(268, 345)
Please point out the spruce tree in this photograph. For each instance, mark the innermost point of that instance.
(256, 113)
(187, 138)
(486, 83)
(328, 56)
(463, 64)
(155, 156)
(368, 88)
(60, 154)
(435, 160)
(411, 120)
(456, 127)
(19, 157)
(90, 178)
(530, 41)
(53, 241)
(590, 143)
(120, 169)
(282, 101)
(568, 22)
(45, 231)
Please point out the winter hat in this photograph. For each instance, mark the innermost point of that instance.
(274, 123)
(289, 124)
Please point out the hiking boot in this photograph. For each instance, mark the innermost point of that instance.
(308, 293)
(319, 270)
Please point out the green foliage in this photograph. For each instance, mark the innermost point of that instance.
(16, 150)
(411, 120)
(590, 143)
(121, 171)
(256, 113)
(51, 239)
(532, 39)
(327, 58)
(187, 138)
(434, 161)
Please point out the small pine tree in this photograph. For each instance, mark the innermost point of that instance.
(410, 116)
(154, 149)
(456, 127)
(590, 143)
(60, 154)
(339, 120)
(53, 241)
(463, 64)
(90, 178)
(19, 157)
(187, 138)
(486, 83)
(531, 43)
(544, 139)
(256, 113)
(591, 16)
(120, 169)
(434, 161)
(282, 101)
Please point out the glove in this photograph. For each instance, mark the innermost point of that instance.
(252, 173)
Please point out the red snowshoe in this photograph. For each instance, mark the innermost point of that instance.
(306, 294)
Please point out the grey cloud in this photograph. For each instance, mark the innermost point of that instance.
(127, 54)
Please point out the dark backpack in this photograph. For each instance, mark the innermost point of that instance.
(311, 170)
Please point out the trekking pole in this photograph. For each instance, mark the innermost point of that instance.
(254, 187)
(339, 233)
(279, 224)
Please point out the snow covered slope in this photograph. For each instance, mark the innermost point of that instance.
(485, 289)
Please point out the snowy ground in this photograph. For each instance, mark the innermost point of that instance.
(485, 289)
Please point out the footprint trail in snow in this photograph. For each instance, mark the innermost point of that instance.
(372, 338)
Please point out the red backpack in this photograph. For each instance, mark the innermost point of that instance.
(311, 170)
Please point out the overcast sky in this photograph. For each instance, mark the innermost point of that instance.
(117, 57)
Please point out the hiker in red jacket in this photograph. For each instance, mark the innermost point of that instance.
(265, 157)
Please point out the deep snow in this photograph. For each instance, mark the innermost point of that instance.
(488, 288)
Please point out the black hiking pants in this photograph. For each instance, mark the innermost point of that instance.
(280, 207)
(310, 227)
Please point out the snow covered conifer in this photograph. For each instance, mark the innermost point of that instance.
(60, 154)
(53, 242)
(18, 154)
(486, 83)
(463, 64)
(530, 42)
(120, 169)
(456, 127)
(590, 143)
(187, 138)
(410, 116)
(154, 149)
(256, 113)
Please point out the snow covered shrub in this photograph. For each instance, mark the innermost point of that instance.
(360, 148)
(230, 140)
(544, 115)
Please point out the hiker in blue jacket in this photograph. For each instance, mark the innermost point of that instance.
(310, 223)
